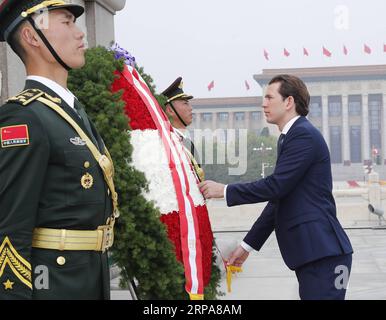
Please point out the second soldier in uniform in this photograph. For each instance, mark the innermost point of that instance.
(57, 199)
(179, 109)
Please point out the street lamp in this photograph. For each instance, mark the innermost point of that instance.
(264, 165)
(262, 148)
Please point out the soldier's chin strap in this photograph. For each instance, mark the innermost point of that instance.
(179, 117)
(48, 45)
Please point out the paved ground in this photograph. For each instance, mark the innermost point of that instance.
(265, 275)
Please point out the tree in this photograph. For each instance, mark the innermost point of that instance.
(265, 132)
(141, 248)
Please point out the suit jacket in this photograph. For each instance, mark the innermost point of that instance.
(301, 206)
(40, 186)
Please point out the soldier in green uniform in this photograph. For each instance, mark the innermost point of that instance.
(57, 198)
(180, 112)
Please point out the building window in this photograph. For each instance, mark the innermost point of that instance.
(315, 107)
(355, 105)
(375, 107)
(239, 116)
(206, 117)
(335, 106)
(256, 115)
(336, 144)
(223, 116)
(355, 144)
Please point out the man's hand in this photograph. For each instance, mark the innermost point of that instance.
(211, 189)
(237, 257)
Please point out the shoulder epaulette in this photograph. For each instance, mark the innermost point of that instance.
(27, 96)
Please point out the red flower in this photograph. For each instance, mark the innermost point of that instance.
(140, 119)
(172, 223)
(135, 108)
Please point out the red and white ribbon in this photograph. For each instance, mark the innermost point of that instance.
(190, 241)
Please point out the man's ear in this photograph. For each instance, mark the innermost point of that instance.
(29, 36)
(290, 102)
(169, 110)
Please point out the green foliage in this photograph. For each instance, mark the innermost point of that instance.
(150, 83)
(265, 132)
(141, 249)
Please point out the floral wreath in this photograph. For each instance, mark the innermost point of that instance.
(160, 155)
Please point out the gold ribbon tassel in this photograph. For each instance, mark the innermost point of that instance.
(230, 271)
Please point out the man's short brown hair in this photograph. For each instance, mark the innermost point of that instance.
(293, 86)
(15, 43)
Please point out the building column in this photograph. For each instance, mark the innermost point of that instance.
(231, 120)
(325, 128)
(214, 120)
(100, 21)
(197, 124)
(384, 128)
(346, 131)
(247, 119)
(365, 129)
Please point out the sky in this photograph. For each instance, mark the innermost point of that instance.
(224, 40)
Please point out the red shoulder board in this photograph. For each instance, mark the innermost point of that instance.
(14, 136)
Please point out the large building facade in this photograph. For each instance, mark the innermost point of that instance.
(347, 106)
(231, 113)
(98, 25)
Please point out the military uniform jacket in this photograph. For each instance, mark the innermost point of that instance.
(42, 162)
(192, 154)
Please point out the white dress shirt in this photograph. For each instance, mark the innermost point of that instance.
(180, 133)
(63, 93)
(285, 130)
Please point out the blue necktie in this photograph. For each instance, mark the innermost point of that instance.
(280, 143)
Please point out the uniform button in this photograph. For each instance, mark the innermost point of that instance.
(87, 164)
(61, 260)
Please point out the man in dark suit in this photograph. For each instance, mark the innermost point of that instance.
(301, 208)
(57, 198)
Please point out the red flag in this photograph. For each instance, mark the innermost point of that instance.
(247, 85)
(16, 135)
(266, 55)
(384, 48)
(286, 53)
(345, 50)
(211, 85)
(367, 49)
(326, 52)
(305, 52)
